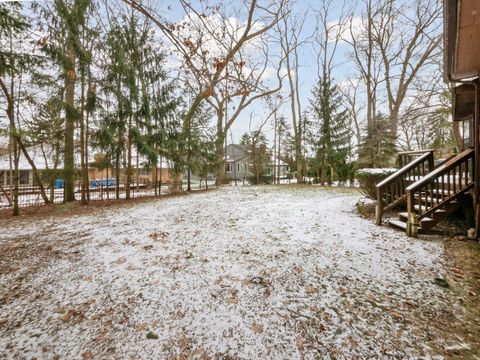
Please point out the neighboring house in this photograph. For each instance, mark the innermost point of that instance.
(279, 168)
(237, 162)
(43, 157)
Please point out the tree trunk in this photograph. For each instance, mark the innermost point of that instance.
(129, 159)
(70, 117)
(16, 177)
(220, 155)
(84, 187)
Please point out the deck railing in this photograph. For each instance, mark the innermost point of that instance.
(439, 187)
(405, 157)
(391, 191)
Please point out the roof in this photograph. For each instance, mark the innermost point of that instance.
(236, 152)
(42, 157)
(461, 36)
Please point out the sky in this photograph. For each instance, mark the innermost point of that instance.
(308, 69)
(251, 117)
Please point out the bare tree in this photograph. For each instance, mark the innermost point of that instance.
(260, 18)
(408, 39)
(290, 31)
(360, 36)
(351, 94)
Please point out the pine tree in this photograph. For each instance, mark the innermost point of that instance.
(257, 148)
(71, 17)
(139, 103)
(378, 145)
(332, 145)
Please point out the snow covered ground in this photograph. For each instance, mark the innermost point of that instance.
(249, 272)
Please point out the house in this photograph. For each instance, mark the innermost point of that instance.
(279, 168)
(429, 191)
(237, 162)
(44, 158)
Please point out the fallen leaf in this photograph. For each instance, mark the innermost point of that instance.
(179, 315)
(120, 261)
(141, 327)
(299, 341)
(154, 323)
(257, 328)
(87, 355)
(185, 343)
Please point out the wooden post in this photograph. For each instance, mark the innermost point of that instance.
(412, 221)
(379, 207)
(412, 225)
(431, 163)
(476, 158)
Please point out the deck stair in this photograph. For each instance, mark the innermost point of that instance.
(431, 193)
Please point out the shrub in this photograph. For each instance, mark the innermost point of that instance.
(264, 179)
(369, 178)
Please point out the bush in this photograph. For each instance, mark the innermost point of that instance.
(369, 178)
(264, 179)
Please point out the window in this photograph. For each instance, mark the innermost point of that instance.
(229, 167)
(238, 167)
(466, 130)
(24, 177)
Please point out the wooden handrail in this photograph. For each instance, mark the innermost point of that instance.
(404, 155)
(447, 181)
(404, 169)
(415, 152)
(444, 167)
(391, 191)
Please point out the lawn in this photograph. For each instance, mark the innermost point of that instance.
(250, 272)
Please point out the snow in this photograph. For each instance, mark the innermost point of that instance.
(376, 171)
(240, 272)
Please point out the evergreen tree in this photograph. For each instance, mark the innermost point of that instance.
(139, 104)
(68, 52)
(257, 148)
(332, 144)
(378, 145)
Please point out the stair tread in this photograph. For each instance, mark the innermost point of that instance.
(404, 215)
(438, 211)
(398, 223)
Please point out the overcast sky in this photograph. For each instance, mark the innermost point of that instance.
(308, 69)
